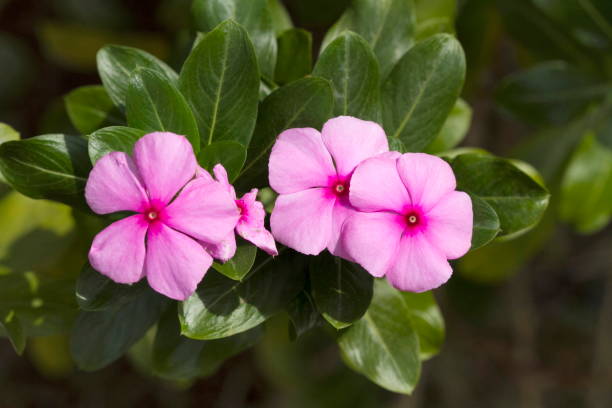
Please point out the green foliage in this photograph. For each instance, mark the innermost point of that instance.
(112, 139)
(454, 129)
(294, 55)
(90, 108)
(240, 264)
(231, 155)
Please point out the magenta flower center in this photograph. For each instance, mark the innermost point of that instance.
(340, 188)
(242, 209)
(412, 219)
(152, 215)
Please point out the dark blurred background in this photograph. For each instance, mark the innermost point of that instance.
(529, 322)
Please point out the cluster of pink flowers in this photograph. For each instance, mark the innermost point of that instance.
(397, 215)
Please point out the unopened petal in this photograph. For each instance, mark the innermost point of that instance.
(251, 225)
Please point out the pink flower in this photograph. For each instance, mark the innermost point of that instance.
(173, 212)
(312, 173)
(411, 221)
(250, 225)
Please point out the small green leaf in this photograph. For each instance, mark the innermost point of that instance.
(307, 102)
(421, 91)
(113, 139)
(388, 25)
(342, 290)
(101, 337)
(222, 307)
(220, 80)
(253, 15)
(90, 108)
(54, 167)
(281, 20)
(95, 291)
(434, 17)
(14, 330)
(351, 66)
(231, 155)
(517, 199)
(153, 104)
(454, 129)
(294, 55)
(241, 263)
(586, 188)
(486, 223)
(116, 64)
(383, 345)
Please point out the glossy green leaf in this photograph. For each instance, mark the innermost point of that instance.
(14, 330)
(586, 188)
(486, 223)
(294, 55)
(95, 291)
(454, 129)
(113, 139)
(281, 20)
(154, 104)
(220, 80)
(54, 167)
(351, 66)
(422, 90)
(90, 108)
(222, 307)
(307, 102)
(241, 263)
(517, 199)
(116, 64)
(383, 345)
(253, 15)
(101, 337)
(231, 155)
(434, 17)
(303, 315)
(549, 93)
(7, 134)
(388, 25)
(342, 290)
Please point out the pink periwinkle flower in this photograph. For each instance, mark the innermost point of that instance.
(312, 172)
(410, 220)
(250, 225)
(174, 213)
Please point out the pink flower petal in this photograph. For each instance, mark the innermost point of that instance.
(221, 176)
(449, 224)
(418, 266)
(251, 225)
(428, 178)
(203, 210)
(175, 263)
(351, 140)
(224, 250)
(114, 185)
(299, 161)
(201, 172)
(118, 251)
(372, 240)
(376, 186)
(166, 162)
(340, 213)
(303, 220)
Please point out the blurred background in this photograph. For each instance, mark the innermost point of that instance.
(529, 321)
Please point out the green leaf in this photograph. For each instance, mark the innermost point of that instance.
(240, 264)
(154, 104)
(231, 155)
(383, 345)
(421, 91)
(7, 134)
(426, 320)
(90, 108)
(14, 330)
(434, 17)
(294, 55)
(342, 291)
(307, 102)
(54, 167)
(388, 25)
(486, 223)
(95, 291)
(586, 188)
(220, 80)
(222, 307)
(113, 139)
(303, 315)
(549, 93)
(454, 129)
(253, 15)
(116, 64)
(517, 199)
(281, 20)
(351, 66)
(101, 337)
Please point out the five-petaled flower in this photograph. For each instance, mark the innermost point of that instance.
(410, 220)
(175, 213)
(312, 173)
